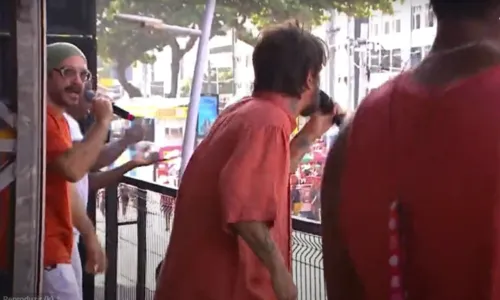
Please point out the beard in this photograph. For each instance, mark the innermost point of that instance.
(65, 97)
(313, 105)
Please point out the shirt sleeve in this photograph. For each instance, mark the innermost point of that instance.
(74, 128)
(255, 173)
(57, 140)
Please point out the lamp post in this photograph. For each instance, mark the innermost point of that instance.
(189, 142)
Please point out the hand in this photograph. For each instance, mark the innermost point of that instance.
(145, 156)
(283, 285)
(96, 257)
(102, 109)
(134, 133)
(319, 123)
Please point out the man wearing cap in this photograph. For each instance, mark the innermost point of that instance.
(67, 72)
(67, 164)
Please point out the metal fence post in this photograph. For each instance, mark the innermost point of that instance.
(88, 285)
(111, 204)
(141, 244)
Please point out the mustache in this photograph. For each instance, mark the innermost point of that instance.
(74, 89)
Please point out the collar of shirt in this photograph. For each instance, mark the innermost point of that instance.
(54, 111)
(281, 102)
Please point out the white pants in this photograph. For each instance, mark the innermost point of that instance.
(60, 283)
(76, 262)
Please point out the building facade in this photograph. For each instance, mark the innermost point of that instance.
(399, 41)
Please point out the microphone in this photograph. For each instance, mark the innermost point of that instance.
(90, 95)
(326, 105)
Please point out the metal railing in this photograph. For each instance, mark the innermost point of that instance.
(131, 223)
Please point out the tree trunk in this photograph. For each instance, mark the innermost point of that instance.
(131, 90)
(175, 67)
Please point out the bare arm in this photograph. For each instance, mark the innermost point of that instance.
(103, 179)
(113, 150)
(299, 146)
(258, 238)
(109, 153)
(78, 160)
(79, 214)
(341, 280)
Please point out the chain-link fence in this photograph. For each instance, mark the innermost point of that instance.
(141, 231)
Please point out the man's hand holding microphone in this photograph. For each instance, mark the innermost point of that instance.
(328, 114)
(102, 110)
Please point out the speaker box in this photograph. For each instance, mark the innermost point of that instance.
(6, 15)
(8, 72)
(70, 17)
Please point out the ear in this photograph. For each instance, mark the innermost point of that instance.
(310, 82)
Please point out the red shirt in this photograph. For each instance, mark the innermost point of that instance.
(436, 152)
(240, 172)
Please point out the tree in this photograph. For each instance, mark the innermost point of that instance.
(309, 13)
(125, 44)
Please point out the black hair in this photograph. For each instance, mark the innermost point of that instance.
(284, 56)
(463, 9)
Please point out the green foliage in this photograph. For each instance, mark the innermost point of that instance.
(123, 44)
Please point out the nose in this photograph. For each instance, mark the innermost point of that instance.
(77, 80)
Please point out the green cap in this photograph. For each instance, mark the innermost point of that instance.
(58, 52)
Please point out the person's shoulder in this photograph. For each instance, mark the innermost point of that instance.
(54, 122)
(250, 113)
(373, 113)
(382, 94)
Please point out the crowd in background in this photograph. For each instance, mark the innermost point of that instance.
(305, 184)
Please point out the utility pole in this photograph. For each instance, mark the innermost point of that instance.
(209, 77)
(332, 48)
(359, 23)
(350, 67)
(233, 48)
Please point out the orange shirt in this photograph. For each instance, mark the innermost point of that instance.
(58, 225)
(239, 172)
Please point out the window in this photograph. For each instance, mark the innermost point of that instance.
(427, 49)
(416, 12)
(396, 63)
(387, 27)
(385, 60)
(375, 29)
(429, 20)
(396, 25)
(157, 88)
(415, 56)
(374, 60)
(174, 133)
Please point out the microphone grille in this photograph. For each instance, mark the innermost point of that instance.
(89, 95)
